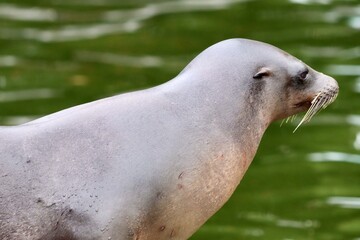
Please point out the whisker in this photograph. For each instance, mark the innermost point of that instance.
(282, 122)
(287, 119)
(291, 118)
(320, 101)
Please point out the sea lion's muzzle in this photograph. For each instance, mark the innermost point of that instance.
(325, 92)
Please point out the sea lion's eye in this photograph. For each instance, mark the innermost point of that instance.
(304, 74)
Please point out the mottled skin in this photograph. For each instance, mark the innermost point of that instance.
(152, 164)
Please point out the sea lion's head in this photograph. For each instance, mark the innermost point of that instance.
(292, 85)
(273, 84)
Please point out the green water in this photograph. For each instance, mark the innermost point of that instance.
(59, 53)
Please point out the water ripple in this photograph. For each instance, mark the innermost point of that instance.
(280, 222)
(116, 21)
(28, 94)
(344, 70)
(345, 202)
(254, 232)
(354, 22)
(70, 32)
(17, 120)
(310, 1)
(124, 60)
(353, 120)
(330, 52)
(155, 9)
(8, 61)
(12, 12)
(334, 157)
(339, 13)
(296, 224)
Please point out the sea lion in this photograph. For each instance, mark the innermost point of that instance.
(156, 163)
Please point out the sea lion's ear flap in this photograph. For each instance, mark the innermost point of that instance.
(263, 72)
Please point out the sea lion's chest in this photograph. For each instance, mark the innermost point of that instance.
(180, 205)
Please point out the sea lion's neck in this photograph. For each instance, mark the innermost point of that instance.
(243, 121)
(247, 116)
(223, 136)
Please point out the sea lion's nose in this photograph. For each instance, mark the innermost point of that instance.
(330, 81)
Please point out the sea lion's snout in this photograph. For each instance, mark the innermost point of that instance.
(325, 90)
(331, 84)
(324, 85)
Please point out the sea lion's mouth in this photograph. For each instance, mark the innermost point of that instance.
(320, 101)
(304, 104)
